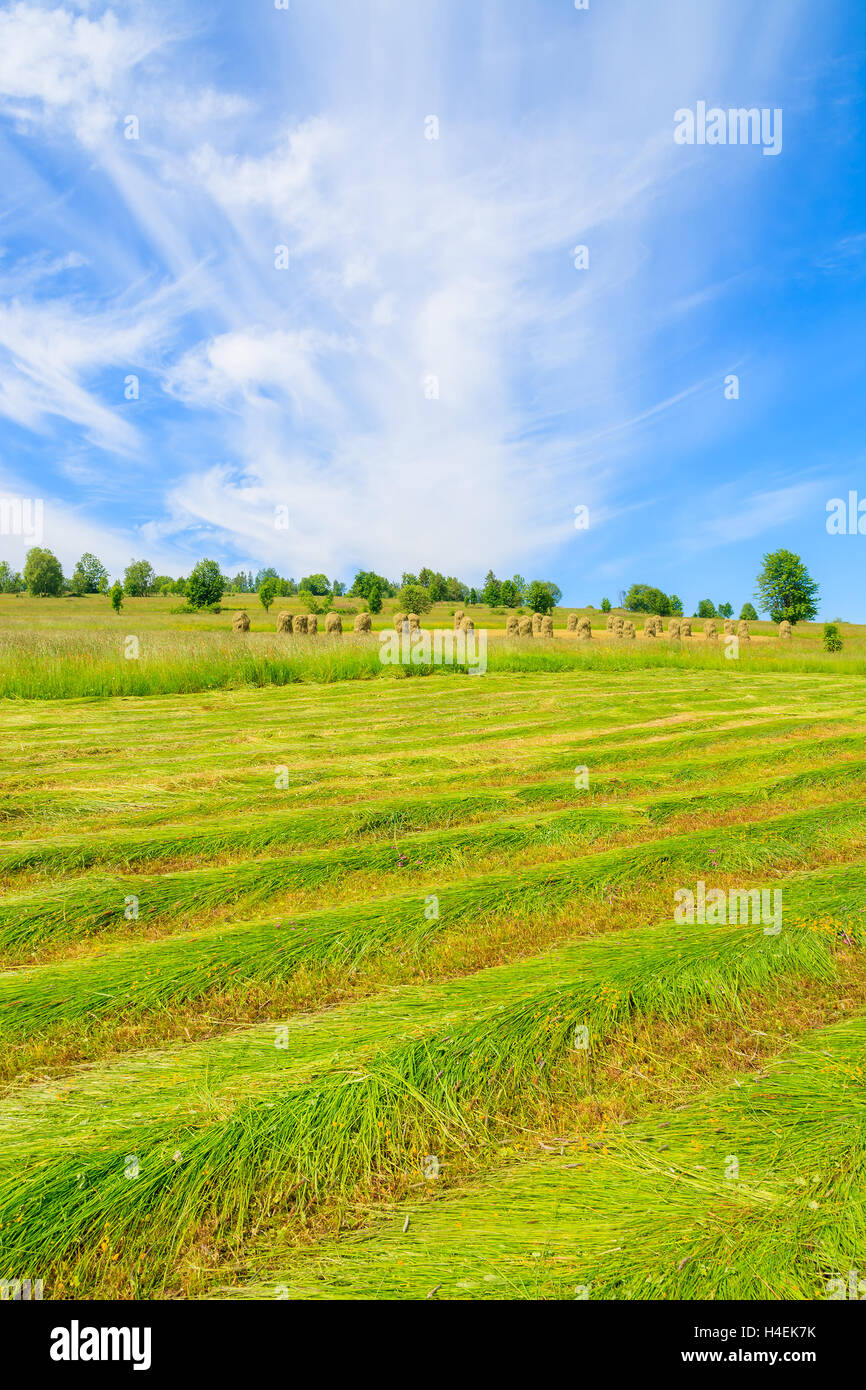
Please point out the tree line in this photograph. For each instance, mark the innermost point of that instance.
(784, 588)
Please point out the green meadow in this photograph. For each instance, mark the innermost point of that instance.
(317, 981)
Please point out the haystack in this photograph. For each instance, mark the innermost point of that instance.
(458, 618)
(571, 625)
(618, 627)
(284, 622)
(547, 626)
(610, 622)
(363, 622)
(628, 630)
(584, 630)
(241, 622)
(398, 621)
(673, 628)
(512, 626)
(334, 624)
(685, 627)
(536, 624)
(785, 630)
(649, 627)
(467, 625)
(414, 621)
(743, 631)
(525, 626)
(299, 624)
(312, 624)
(711, 632)
(730, 627)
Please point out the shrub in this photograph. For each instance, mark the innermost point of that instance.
(832, 638)
(748, 614)
(414, 599)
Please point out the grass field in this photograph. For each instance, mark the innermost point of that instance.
(295, 981)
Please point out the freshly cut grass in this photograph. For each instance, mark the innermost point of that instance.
(756, 1192)
(131, 980)
(452, 1091)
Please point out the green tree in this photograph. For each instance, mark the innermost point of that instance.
(676, 606)
(473, 597)
(726, 610)
(786, 589)
(645, 598)
(315, 584)
(365, 579)
(267, 592)
(539, 597)
(605, 605)
(436, 588)
(414, 599)
(11, 582)
(89, 576)
(338, 589)
(262, 575)
(116, 595)
(374, 597)
(205, 584)
(706, 608)
(508, 594)
(492, 591)
(832, 638)
(42, 572)
(748, 614)
(138, 579)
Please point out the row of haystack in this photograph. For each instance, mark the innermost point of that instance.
(306, 624)
(528, 625)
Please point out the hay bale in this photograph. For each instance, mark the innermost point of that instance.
(525, 626)
(685, 627)
(363, 622)
(618, 627)
(711, 632)
(414, 621)
(467, 625)
(241, 622)
(536, 624)
(299, 625)
(743, 631)
(730, 627)
(673, 628)
(312, 624)
(610, 622)
(785, 630)
(458, 618)
(399, 619)
(584, 630)
(334, 624)
(284, 622)
(547, 626)
(512, 626)
(660, 627)
(649, 627)
(571, 625)
(628, 630)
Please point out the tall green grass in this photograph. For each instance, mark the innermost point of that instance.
(45, 666)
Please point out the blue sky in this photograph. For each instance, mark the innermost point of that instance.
(430, 379)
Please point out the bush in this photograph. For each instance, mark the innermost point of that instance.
(748, 614)
(832, 638)
(706, 608)
(605, 605)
